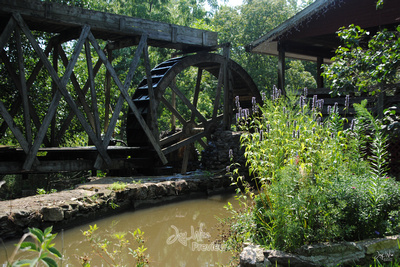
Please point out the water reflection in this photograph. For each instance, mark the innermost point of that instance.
(177, 234)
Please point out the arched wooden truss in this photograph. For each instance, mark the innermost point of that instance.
(39, 137)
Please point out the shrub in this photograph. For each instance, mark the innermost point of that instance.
(314, 183)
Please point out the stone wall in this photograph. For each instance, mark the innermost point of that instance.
(361, 253)
(95, 199)
(216, 155)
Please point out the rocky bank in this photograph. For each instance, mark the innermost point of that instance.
(96, 199)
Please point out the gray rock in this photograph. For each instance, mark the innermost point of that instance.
(252, 256)
(52, 214)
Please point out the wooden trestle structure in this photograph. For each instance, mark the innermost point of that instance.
(85, 31)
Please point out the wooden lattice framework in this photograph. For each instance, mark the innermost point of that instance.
(86, 28)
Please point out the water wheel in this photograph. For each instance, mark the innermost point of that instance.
(191, 93)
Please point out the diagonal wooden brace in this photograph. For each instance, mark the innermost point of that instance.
(124, 93)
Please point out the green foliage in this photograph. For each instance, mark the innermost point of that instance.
(118, 186)
(111, 250)
(42, 247)
(42, 191)
(312, 180)
(363, 62)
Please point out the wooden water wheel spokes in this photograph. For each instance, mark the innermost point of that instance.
(179, 85)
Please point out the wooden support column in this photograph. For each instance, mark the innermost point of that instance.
(228, 98)
(54, 89)
(107, 93)
(281, 69)
(23, 89)
(153, 103)
(320, 79)
(93, 94)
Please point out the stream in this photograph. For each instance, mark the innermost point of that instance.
(176, 234)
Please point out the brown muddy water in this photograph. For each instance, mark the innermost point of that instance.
(176, 234)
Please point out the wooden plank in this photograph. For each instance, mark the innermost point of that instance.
(107, 92)
(150, 89)
(92, 90)
(24, 90)
(197, 91)
(183, 143)
(7, 31)
(171, 138)
(125, 94)
(108, 25)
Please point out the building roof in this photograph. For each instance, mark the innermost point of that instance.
(311, 33)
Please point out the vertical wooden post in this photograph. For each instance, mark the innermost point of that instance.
(320, 79)
(24, 89)
(153, 104)
(281, 69)
(53, 140)
(107, 93)
(228, 98)
(93, 94)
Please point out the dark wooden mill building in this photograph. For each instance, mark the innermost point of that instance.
(56, 37)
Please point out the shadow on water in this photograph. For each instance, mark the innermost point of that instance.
(177, 234)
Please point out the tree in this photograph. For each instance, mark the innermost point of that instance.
(370, 64)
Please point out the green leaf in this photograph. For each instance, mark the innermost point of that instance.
(50, 262)
(29, 245)
(37, 233)
(24, 262)
(54, 251)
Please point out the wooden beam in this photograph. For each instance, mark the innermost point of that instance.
(24, 90)
(124, 93)
(92, 90)
(150, 89)
(53, 16)
(107, 92)
(54, 89)
(228, 94)
(196, 91)
(183, 143)
(281, 70)
(320, 79)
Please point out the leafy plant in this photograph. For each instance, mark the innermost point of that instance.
(118, 186)
(363, 62)
(111, 250)
(314, 184)
(42, 247)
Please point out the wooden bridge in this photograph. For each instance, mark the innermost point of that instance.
(59, 36)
